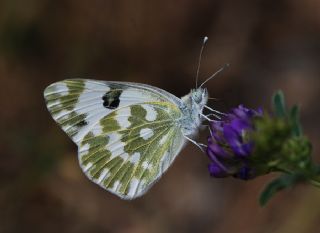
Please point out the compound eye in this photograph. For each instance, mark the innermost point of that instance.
(197, 98)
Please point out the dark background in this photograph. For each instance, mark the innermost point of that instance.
(269, 44)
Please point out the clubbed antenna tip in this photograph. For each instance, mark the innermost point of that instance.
(199, 61)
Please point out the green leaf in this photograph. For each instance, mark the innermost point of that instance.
(294, 117)
(278, 184)
(279, 104)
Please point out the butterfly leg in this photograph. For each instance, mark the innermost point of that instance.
(213, 110)
(210, 130)
(196, 143)
(215, 115)
(207, 118)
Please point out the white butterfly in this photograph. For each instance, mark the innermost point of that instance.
(127, 134)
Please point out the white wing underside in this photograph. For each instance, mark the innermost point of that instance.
(77, 106)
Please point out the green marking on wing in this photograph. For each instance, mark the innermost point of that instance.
(65, 100)
(109, 123)
(73, 123)
(94, 153)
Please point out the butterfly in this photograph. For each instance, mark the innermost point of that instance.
(127, 134)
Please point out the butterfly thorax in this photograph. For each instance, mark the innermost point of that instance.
(192, 106)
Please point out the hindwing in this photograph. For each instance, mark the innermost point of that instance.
(127, 160)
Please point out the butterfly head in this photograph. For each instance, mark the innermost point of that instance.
(199, 97)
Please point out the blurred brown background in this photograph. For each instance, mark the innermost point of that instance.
(269, 44)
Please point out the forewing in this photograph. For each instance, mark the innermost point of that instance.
(78, 104)
(133, 150)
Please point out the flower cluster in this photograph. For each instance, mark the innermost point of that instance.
(247, 143)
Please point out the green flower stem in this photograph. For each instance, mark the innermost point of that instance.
(314, 180)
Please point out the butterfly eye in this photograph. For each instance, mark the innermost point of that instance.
(196, 98)
(199, 95)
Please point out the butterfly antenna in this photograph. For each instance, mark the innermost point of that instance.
(199, 61)
(217, 72)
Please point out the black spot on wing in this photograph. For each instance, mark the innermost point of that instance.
(82, 123)
(111, 99)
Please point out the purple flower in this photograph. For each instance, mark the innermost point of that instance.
(248, 143)
(229, 146)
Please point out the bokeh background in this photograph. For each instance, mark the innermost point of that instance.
(269, 44)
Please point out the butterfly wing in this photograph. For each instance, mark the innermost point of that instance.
(127, 134)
